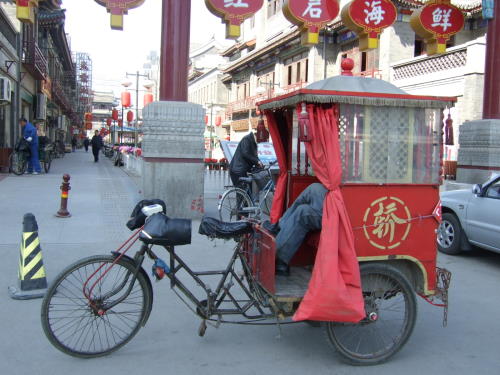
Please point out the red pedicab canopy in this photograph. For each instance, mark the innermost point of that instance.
(334, 292)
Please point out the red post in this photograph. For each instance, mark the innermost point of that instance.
(491, 99)
(65, 188)
(174, 58)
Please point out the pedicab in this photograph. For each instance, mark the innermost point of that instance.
(377, 150)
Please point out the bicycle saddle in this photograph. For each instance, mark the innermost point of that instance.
(214, 228)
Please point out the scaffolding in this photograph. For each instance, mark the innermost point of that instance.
(84, 93)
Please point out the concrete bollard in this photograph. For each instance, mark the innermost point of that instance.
(65, 188)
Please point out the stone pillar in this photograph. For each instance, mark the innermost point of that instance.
(479, 153)
(173, 151)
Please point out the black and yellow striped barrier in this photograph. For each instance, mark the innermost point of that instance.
(32, 279)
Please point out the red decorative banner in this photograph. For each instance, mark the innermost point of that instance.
(25, 10)
(367, 18)
(233, 13)
(436, 22)
(311, 16)
(117, 8)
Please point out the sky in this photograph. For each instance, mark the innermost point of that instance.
(113, 52)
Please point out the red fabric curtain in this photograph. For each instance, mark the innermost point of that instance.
(280, 192)
(334, 292)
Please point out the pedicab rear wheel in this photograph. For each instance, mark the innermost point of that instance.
(391, 310)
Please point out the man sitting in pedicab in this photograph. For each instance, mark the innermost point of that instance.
(303, 216)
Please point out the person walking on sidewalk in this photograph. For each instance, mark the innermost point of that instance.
(73, 144)
(97, 144)
(86, 143)
(30, 134)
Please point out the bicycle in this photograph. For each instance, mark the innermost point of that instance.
(46, 155)
(18, 159)
(238, 202)
(109, 152)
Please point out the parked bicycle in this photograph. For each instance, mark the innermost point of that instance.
(241, 201)
(18, 159)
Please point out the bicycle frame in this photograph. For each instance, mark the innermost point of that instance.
(254, 296)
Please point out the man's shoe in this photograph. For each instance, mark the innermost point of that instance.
(282, 269)
(271, 228)
(36, 172)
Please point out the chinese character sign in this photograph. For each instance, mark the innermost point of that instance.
(233, 13)
(387, 223)
(118, 8)
(436, 22)
(367, 18)
(311, 16)
(25, 10)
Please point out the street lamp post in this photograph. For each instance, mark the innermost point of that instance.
(137, 75)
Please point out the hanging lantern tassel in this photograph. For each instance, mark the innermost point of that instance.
(448, 131)
(304, 133)
(262, 132)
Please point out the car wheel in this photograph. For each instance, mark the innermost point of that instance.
(449, 235)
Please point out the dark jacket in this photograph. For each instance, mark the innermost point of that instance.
(97, 142)
(245, 156)
(86, 142)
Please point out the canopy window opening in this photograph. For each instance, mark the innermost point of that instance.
(389, 144)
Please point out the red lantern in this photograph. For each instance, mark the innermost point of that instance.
(436, 21)
(130, 116)
(148, 98)
(126, 99)
(114, 114)
(88, 117)
(117, 8)
(206, 120)
(108, 121)
(367, 19)
(120, 123)
(311, 16)
(233, 13)
(88, 125)
(218, 120)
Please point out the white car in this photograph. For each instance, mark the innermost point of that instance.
(471, 217)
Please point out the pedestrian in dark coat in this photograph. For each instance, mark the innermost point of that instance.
(73, 144)
(97, 144)
(245, 157)
(86, 143)
(29, 133)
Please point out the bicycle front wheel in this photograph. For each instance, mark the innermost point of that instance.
(234, 205)
(77, 326)
(17, 163)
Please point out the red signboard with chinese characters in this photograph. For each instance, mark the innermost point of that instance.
(117, 8)
(436, 22)
(25, 10)
(233, 13)
(311, 16)
(368, 18)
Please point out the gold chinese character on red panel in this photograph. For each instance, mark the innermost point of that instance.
(117, 9)
(311, 16)
(386, 223)
(436, 22)
(233, 13)
(367, 18)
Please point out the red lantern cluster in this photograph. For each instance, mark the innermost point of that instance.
(108, 121)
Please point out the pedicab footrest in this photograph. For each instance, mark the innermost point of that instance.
(159, 229)
(219, 229)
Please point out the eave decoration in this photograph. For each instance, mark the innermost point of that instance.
(436, 22)
(367, 18)
(117, 9)
(311, 16)
(233, 13)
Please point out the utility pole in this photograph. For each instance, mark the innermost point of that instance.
(137, 75)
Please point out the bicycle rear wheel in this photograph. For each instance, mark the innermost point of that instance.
(17, 163)
(234, 205)
(75, 327)
(46, 163)
(391, 311)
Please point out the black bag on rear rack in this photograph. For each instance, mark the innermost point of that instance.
(162, 230)
(137, 218)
